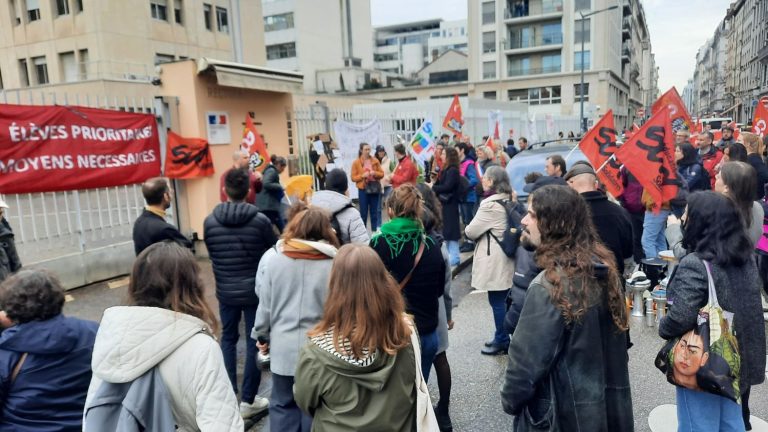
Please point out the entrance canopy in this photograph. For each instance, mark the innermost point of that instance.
(244, 76)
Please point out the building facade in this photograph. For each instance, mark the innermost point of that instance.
(404, 49)
(326, 40)
(85, 43)
(710, 75)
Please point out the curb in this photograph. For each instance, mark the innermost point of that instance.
(466, 261)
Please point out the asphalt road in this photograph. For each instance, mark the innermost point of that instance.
(475, 401)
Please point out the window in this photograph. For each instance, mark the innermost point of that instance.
(278, 22)
(578, 36)
(207, 12)
(222, 20)
(489, 42)
(68, 66)
(23, 73)
(552, 34)
(458, 75)
(280, 51)
(489, 95)
(544, 95)
(62, 7)
(489, 12)
(178, 12)
(163, 58)
(79, 6)
(551, 63)
(159, 9)
(582, 5)
(577, 92)
(577, 60)
(83, 64)
(33, 10)
(519, 66)
(517, 95)
(41, 69)
(489, 70)
(14, 12)
(385, 57)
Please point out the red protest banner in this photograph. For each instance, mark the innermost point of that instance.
(650, 156)
(187, 158)
(254, 144)
(677, 112)
(454, 119)
(599, 145)
(760, 122)
(57, 148)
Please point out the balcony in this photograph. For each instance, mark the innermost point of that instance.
(532, 10)
(626, 29)
(626, 53)
(511, 72)
(534, 43)
(626, 8)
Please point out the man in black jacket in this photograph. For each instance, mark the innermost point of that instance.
(151, 227)
(236, 236)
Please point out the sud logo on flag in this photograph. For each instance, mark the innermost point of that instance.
(422, 144)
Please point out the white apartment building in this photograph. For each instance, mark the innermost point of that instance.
(329, 41)
(404, 49)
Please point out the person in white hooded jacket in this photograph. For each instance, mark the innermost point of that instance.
(292, 284)
(168, 325)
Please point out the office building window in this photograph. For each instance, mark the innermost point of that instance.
(489, 12)
(517, 95)
(33, 10)
(278, 22)
(83, 64)
(178, 11)
(582, 5)
(222, 19)
(578, 36)
(41, 69)
(551, 63)
(281, 51)
(163, 58)
(577, 60)
(489, 95)
(489, 42)
(577, 92)
(159, 9)
(68, 66)
(62, 7)
(207, 12)
(544, 95)
(23, 73)
(489, 70)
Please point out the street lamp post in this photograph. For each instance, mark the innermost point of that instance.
(582, 120)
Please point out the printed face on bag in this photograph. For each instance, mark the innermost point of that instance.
(689, 357)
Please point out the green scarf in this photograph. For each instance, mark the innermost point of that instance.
(398, 232)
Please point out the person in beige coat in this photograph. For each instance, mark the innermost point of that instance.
(492, 269)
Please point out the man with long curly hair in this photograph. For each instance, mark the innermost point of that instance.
(568, 356)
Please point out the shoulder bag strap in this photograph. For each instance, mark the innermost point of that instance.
(17, 368)
(407, 277)
(712, 300)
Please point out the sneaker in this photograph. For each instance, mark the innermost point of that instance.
(260, 405)
(495, 350)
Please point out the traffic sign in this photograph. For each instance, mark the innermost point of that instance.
(640, 112)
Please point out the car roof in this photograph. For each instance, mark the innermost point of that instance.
(533, 160)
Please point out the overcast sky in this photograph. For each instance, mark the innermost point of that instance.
(678, 28)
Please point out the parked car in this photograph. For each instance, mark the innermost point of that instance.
(534, 159)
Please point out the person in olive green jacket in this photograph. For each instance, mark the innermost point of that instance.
(358, 370)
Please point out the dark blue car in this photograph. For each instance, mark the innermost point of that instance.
(534, 159)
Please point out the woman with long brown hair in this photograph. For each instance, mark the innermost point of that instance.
(366, 173)
(447, 188)
(167, 325)
(358, 371)
(292, 283)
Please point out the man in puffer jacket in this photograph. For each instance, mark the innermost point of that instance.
(335, 199)
(236, 236)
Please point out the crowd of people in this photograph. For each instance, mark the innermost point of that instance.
(351, 311)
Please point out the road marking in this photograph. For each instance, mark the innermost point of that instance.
(117, 283)
(68, 298)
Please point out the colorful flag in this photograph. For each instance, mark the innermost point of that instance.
(254, 144)
(187, 158)
(423, 144)
(599, 145)
(650, 156)
(679, 115)
(454, 119)
(760, 122)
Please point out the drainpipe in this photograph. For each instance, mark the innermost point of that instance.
(237, 37)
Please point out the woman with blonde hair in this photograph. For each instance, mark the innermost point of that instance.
(755, 158)
(358, 371)
(292, 283)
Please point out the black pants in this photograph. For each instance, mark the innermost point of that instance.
(275, 218)
(637, 234)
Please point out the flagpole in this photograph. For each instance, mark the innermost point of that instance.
(613, 156)
(571, 152)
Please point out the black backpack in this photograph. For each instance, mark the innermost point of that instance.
(335, 221)
(463, 188)
(511, 238)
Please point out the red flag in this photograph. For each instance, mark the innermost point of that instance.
(454, 119)
(490, 144)
(254, 144)
(598, 145)
(760, 122)
(679, 115)
(650, 156)
(187, 158)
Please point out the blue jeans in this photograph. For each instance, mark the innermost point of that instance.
(429, 344)
(700, 411)
(467, 210)
(497, 299)
(230, 323)
(653, 239)
(454, 256)
(284, 414)
(369, 203)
